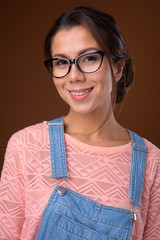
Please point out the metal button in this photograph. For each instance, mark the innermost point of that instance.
(133, 217)
(61, 190)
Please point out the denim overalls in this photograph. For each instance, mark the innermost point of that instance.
(71, 216)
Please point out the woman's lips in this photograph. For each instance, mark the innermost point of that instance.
(80, 94)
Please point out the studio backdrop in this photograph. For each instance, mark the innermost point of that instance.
(28, 95)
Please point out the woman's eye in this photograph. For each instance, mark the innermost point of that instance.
(60, 62)
(90, 58)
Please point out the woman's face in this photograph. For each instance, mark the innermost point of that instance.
(84, 93)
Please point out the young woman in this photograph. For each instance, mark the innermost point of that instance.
(83, 176)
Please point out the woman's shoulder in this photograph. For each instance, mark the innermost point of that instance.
(151, 147)
(30, 134)
(153, 154)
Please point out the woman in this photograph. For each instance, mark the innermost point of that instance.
(100, 180)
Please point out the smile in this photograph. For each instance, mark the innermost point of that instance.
(78, 93)
(81, 94)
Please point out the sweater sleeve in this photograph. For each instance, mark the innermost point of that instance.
(152, 226)
(12, 191)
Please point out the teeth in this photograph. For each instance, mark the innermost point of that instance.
(81, 93)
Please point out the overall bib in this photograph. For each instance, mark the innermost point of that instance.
(69, 215)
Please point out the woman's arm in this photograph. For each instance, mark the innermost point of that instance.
(152, 227)
(12, 191)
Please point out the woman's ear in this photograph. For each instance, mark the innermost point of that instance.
(118, 69)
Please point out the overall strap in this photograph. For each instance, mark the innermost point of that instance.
(137, 169)
(57, 148)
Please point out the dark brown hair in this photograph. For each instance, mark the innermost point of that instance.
(106, 32)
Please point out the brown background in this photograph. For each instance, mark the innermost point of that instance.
(27, 93)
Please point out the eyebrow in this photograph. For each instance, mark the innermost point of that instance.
(79, 53)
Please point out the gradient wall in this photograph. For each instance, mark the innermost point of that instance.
(27, 92)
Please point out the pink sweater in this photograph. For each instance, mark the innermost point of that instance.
(99, 173)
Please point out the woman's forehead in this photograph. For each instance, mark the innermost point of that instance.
(74, 40)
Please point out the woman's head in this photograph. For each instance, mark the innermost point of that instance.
(107, 34)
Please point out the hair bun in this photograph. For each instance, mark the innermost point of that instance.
(126, 81)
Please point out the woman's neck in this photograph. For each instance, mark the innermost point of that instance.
(99, 129)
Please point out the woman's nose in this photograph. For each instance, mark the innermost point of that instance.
(75, 74)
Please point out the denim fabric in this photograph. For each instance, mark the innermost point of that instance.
(72, 216)
(57, 148)
(138, 159)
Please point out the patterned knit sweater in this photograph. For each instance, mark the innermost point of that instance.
(100, 173)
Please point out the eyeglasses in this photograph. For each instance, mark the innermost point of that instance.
(88, 62)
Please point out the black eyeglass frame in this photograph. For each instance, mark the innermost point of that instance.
(71, 61)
